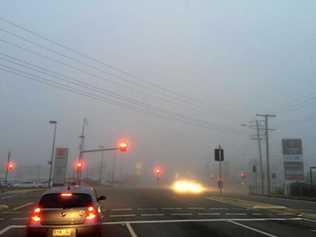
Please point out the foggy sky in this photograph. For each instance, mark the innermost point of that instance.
(235, 59)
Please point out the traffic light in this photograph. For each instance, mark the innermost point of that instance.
(219, 154)
(10, 166)
(123, 146)
(243, 174)
(79, 165)
(157, 171)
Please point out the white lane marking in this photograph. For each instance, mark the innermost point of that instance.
(19, 218)
(181, 214)
(147, 209)
(253, 229)
(152, 214)
(218, 208)
(7, 197)
(131, 230)
(196, 208)
(256, 214)
(122, 209)
(209, 214)
(171, 208)
(7, 228)
(126, 215)
(235, 214)
(313, 230)
(1, 219)
(22, 206)
(10, 212)
(284, 214)
(202, 220)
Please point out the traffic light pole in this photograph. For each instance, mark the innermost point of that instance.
(220, 177)
(7, 169)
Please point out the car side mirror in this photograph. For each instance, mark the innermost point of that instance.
(101, 198)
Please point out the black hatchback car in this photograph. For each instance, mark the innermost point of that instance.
(66, 212)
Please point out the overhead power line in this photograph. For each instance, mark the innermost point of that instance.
(93, 95)
(148, 84)
(38, 54)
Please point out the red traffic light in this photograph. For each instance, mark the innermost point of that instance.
(157, 170)
(79, 165)
(10, 166)
(123, 146)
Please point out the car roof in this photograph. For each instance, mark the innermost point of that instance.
(71, 188)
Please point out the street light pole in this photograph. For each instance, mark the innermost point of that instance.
(51, 162)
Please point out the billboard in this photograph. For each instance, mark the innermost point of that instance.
(293, 159)
(60, 166)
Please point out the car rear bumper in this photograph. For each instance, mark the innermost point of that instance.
(80, 230)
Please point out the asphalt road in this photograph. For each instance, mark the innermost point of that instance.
(157, 212)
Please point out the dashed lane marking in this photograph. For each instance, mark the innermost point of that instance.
(131, 230)
(218, 208)
(171, 208)
(181, 214)
(122, 209)
(152, 214)
(10, 212)
(147, 209)
(235, 214)
(253, 229)
(209, 214)
(19, 218)
(196, 208)
(22, 206)
(126, 215)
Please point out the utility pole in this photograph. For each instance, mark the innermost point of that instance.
(259, 139)
(51, 162)
(81, 148)
(266, 129)
(101, 165)
(7, 169)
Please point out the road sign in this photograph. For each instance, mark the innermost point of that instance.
(219, 154)
(60, 166)
(293, 159)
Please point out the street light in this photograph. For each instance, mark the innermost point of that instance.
(52, 154)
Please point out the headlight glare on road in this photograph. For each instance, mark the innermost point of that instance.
(185, 186)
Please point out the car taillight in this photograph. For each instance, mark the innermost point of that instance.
(91, 214)
(35, 216)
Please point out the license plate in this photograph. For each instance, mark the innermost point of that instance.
(62, 232)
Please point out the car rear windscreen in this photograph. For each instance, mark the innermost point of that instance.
(56, 200)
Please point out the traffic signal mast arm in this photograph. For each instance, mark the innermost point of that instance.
(100, 149)
(122, 146)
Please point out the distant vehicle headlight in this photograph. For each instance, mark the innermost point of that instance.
(187, 186)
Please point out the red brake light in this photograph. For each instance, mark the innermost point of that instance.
(35, 217)
(66, 194)
(91, 214)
